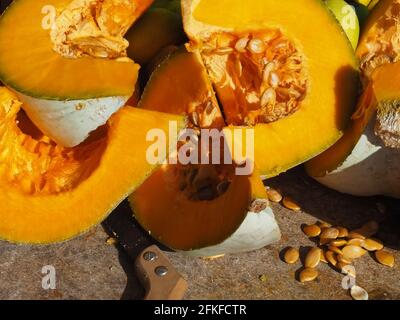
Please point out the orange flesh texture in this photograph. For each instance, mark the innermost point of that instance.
(329, 64)
(50, 193)
(182, 92)
(29, 64)
(384, 86)
(161, 208)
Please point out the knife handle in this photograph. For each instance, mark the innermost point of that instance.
(159, 278)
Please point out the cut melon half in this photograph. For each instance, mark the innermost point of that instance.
(49, 193)
(33, 64)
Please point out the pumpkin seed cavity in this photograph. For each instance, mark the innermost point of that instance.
(264, 70)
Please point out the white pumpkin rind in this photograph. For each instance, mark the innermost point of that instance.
(256, 231)
(70, 122)
(371, 169)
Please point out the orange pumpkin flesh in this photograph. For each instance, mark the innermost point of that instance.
(28, 62)
(296, 86)
(50, 193)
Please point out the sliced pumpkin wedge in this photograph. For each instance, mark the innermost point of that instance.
(50, 193)
(35, 62)
(239, 219)
(293, 83)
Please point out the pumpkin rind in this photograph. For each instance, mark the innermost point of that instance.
(50, 193)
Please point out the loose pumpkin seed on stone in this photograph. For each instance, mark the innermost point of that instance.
(274, 195)
(335, 249)
(329, 233)
(385, 258)
(291, 255)
(338, 242)
(358, 293)
(308, 274)
(353, 252)
(355, 242)
(342, 258)
(372, 244)
(312, 230)
(290, 204)
(313, 258)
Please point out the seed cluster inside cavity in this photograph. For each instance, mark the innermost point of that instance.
(262, 73)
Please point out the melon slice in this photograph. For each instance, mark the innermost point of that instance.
(294, 84)
(66, 51)
(49, 193)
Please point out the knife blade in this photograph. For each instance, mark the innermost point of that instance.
(155, 272)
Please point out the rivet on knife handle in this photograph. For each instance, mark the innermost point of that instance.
(158, 276)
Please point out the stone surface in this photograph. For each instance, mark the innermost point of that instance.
(89, 268)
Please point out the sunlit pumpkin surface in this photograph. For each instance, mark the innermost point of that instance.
(29, 64)
(50, 193)
(383, 89)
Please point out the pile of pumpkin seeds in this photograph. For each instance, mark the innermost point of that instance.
(339, 247)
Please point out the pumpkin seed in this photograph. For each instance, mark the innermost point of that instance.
(312, 231)
(111, 241)
(274, 195)
(338, 242)
(324, 241)
(269, 67)
(341, 258)
(370, 228)
(356, 235)
(358, 293)
(313, 258)
(268, 97)
(211, 258)
(346, 269)
(353, 252)
(274, 80)
(335, 249)
(385, 258)
(372, 245)
(324, 225)
(355, 242)
(290, 204)
(256, 46)
(331, 257)
(343, 232)
(323, 258)
(291, 255)
(241, 44)
(329, 233)
(308, 274)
